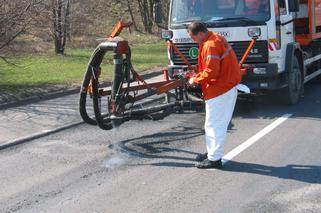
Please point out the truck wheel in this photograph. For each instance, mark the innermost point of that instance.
(291, 94)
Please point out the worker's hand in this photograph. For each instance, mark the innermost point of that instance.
(189, 74)
(191, 81)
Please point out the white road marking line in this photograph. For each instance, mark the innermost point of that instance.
(252, 140)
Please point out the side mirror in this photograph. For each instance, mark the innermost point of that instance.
(167, 34)
(294, 5)
(158, 12)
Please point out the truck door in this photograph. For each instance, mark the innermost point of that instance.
(284, 32)
(286, 24)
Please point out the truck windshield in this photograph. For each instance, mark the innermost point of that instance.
(219, 11)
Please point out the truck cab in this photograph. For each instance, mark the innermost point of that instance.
(288, 36)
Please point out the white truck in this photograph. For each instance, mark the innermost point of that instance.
(286, 55)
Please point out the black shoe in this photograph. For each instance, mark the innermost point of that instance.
(208, 164)
(201, 157)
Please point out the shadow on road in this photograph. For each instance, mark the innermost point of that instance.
(160, 145)
(268, 107)
(303, 173)
(164, 145)
(168, 145)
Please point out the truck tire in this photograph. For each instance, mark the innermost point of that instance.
(290, 95)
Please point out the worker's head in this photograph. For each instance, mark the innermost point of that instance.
(197, 31)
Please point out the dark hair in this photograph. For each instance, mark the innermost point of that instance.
(195, 27)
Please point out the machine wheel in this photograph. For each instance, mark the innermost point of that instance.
(291, 94)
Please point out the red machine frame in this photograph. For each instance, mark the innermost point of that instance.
(116, 103)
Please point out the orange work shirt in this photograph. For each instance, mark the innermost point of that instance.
(218, 68)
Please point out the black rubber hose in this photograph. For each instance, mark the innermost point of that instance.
(96, 60)
(103, 123)
(84, 88)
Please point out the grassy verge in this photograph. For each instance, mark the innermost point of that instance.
(50, 69)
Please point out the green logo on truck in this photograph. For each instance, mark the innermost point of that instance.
(193, 53)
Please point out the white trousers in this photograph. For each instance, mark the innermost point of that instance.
(219, 111)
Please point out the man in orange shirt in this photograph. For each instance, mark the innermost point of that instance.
(218, 74)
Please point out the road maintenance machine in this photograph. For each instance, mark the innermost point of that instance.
(117, 95)
(287, 52)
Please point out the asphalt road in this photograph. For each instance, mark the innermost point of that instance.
(148, 166)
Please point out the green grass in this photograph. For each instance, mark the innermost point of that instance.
(40, 70)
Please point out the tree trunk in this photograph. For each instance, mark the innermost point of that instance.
(144, 10)
(66, 25)
(131, 15)
(61, 15)
(15, 18)
(59, 47)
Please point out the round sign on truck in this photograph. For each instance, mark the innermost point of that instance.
(193, 53)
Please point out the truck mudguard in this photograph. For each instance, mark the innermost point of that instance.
(292, 50)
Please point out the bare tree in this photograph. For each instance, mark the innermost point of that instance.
(15, 18)
(146, 12)
(130, 10)
(165, 11)
(60, 18)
